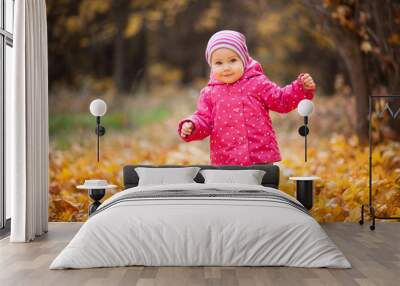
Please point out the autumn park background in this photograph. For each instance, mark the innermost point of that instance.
(145, 58)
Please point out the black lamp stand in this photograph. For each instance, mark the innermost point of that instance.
(303, 131)
(100, 131)
(96, 195)
(370, 205)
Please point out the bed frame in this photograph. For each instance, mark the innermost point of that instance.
(270, 179)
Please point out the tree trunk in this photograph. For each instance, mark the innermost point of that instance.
(349, 49)
(119, 55)
(152, 46)
(120, 13)
(353, 58)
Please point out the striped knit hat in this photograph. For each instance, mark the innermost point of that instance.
(228, 39)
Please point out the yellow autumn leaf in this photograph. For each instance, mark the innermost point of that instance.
(133, 26)
(394, 39)
(366, 46)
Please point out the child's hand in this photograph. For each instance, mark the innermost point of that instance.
(187, 129)
(307, 81)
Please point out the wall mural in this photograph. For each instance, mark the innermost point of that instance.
(149, 62)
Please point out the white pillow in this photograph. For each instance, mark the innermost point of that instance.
(163, 176)
(249, 177)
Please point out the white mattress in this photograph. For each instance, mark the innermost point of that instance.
(183, 231)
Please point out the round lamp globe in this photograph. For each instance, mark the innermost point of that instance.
(98, 107)
(305, 107)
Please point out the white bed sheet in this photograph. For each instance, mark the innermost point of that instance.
(200, 231)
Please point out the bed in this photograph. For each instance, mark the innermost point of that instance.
(201, 224)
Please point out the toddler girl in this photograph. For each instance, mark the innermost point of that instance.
(234, 106)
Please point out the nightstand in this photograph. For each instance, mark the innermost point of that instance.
(97, 190)
(304, 190)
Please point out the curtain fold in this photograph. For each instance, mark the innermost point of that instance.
(27, 142)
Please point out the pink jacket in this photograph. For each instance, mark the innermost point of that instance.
(236, 116)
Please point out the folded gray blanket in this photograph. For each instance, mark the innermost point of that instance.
(205, 193)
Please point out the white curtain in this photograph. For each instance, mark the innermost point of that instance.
(27, 146)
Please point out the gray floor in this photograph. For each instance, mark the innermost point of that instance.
(375, 256)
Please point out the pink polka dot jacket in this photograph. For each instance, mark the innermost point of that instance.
(236, 117)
